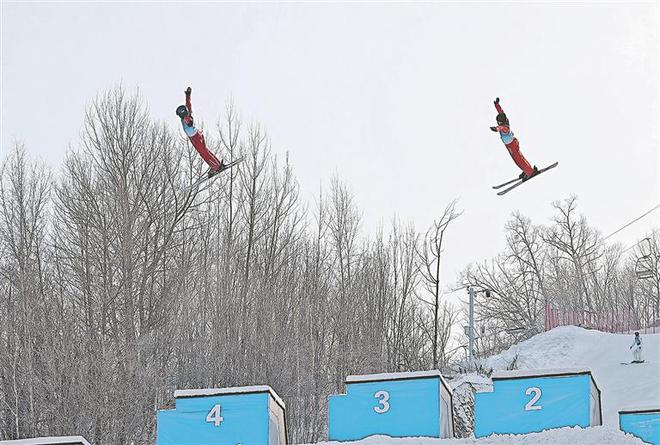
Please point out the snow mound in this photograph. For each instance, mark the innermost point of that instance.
(576, 435)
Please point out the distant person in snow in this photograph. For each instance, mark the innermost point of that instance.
(511, 143)
(637, 349)
(196, 137)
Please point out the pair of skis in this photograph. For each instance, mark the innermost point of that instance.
(639, 362)
(206, 177)
(516, 182)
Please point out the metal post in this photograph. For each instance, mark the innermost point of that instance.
(471, 327)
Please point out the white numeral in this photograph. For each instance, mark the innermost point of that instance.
(537, 395)
(383, 404)
(214, 415)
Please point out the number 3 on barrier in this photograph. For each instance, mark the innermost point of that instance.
(214, 415)
(383, 404)
(537, 395)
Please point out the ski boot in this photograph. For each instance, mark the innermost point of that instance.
(524, 177)
(212, 172)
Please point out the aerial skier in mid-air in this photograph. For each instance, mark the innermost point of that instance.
(197, 138)
(512, 145)
(511, 142)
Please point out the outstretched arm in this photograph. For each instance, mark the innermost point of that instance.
(497, 105)
(500, 128)
(188, 104)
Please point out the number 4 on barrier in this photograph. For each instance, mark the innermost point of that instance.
(537, 395)
(214, 415)
(383, 402)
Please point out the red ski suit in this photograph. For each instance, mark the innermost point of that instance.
(511, 143)
(197, 138)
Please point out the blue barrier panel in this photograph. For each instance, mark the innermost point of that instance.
(531, 401)
(396, 405)
(53, 440)
(643, 423)
(252, 415)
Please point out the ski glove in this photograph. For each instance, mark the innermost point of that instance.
(493, 129)
(497, 100)
(188, 91)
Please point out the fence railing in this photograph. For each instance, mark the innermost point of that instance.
(618, 322)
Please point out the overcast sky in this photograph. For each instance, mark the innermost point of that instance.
(396, 99)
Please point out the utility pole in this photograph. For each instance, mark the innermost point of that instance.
(471, 326)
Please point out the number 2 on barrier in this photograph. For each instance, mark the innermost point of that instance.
(383, 402)
(214, 415)
(537, 395)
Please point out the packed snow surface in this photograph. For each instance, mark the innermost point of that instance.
(396, 376)
(576, 435)
(538, 372)
(205, 392)
(47, 441)
(392, 376)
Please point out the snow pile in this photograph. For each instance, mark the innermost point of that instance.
(576, 435)
(463, 398)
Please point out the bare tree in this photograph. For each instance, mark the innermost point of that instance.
(24, 194)
(645, 260)
(577, 243)
(431, 254)
(125, 283)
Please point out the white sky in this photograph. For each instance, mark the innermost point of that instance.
(394, 98)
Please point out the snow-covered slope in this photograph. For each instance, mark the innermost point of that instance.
(622, 385)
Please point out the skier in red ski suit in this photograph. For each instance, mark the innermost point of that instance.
(511, 143)
(196, 137)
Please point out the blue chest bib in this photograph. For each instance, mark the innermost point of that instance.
(190, 130)
(507, 138)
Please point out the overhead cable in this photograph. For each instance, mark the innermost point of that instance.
(632, 222)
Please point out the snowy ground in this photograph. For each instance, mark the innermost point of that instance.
(591, 436)
(622, 385)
